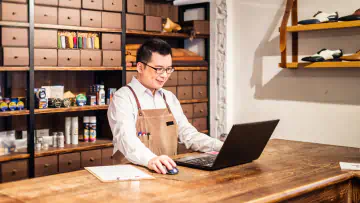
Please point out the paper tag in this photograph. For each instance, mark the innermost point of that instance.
(349, 166)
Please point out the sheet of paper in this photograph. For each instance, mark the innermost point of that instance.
(349, 166)
(118, 173)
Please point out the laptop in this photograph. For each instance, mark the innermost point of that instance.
(244, 143)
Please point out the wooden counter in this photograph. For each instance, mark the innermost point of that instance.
(287, 170)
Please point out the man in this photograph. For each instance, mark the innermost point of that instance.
(147, 121)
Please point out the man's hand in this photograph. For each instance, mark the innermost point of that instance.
(157, 163)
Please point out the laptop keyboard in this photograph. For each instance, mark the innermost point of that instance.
(203, 161)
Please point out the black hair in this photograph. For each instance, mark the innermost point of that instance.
(159, 46)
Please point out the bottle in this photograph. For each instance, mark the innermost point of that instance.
(60, 139)
(101, 95)
(74, 130)
(86, 128)
(92, 128)
(68, 130)
(54, 136)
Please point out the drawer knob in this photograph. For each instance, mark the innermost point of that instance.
(136, 5)
(111, 42)
(201, 111)
(69, 162)
(112, 59)
(90, 59)
(46, 165)
(185, 111)
(113, 3)
(45, 15)
(68, 59)
(185, 78)
(15, 57)
(200, 93)
(92, 159)
(14, 13)
(45, 58)
(14, 171)
(14, 38)
(91, 19)
(170, 78)
(184, 93)
(69, 17)
(92, 1)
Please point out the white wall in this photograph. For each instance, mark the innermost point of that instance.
(320, 106)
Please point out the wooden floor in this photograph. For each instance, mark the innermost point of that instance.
(286, 171)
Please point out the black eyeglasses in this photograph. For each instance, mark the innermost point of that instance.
(161, 70)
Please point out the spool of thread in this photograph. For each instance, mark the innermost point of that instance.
(63, 42)
(74, 130)
(68, 130)
(80, 42)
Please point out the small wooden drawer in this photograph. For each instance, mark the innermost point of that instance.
(136, 6)
(45, 57)
(90, 18)
(91, 158)
(199, 92)
(47, 2)
(107, 157)
(14, 56)
(153, 23)
(68, 57)
(45, 38)
(16, 1)
(171, 89)
(200, 123)
(46, 15)
(185, 78)
(92, 4)
(184, 92)
(200, 110)
(112, 58)
(111, 41)
(14, 36)
(70, 4)
(14, 170)
(69, 162)
(134, 22)
(45, 166)
(188, 110)
(130, 75)
(113, 5)
(14, 12)
(90, 58)
(68, 16)
(173, 79)
(200, 77)
(111, 20)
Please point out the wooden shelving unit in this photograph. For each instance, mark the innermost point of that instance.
(14, 113)
(13, 68)
(13, 24)
(324, 26)
(71, 109)
(76, 28)
(44, 68)
(176, 68)
(15, 156)
(161, 34)
(324, 65)
(193, 101)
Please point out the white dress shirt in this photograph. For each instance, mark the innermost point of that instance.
(122, 116)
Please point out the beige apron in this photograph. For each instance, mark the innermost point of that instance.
(160, 128)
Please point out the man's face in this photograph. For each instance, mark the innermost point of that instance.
(149, 77)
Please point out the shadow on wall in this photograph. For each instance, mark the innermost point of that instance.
(335, 86)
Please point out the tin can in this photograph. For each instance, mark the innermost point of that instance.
(13, 104)
(4, 106)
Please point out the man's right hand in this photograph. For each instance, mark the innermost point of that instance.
(157, 163)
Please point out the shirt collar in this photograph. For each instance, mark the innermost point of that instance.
(140, 89)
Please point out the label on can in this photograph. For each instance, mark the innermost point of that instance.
(3, 106)
(20, 105)
(12, 106)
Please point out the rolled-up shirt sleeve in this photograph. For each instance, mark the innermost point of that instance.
(122, 120)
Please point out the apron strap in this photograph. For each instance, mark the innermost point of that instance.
(137, 100)
(167, 105)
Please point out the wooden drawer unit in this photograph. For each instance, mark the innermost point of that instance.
(68, 57)
(112, 58)
(184, 92)
(153, 23)
(111, 20)
(200, 77)
(14, 56)
(70, 4)
(136, 6)
(45, 57)
(90, 58)
(130, 75)
(47, 2)
(69, 162)
(200, 110)
(111, 41)
(91, 158)
(199, 92)
(14, 170)
(13, 12)
(46, 15)
(68, 16)
(134, 22)
(16, 1)
(173, 79)
(200, 123)
(171, 89)
(113, 5)
(14, 36)
(45, 38)
(107, 158)
(90, 18)
(45, 166)
(92, 4)
(185, 78)
(188, 110)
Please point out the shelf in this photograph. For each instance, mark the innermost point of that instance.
(161, 34)
(324, 65)
(176, 68)
(44, 68)
(82, 146)
(14, 156)
(71, 109)
(13, 68)
(14, 113)
(77, 28)
(324, 26)
(14, 24)
(193, 101)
